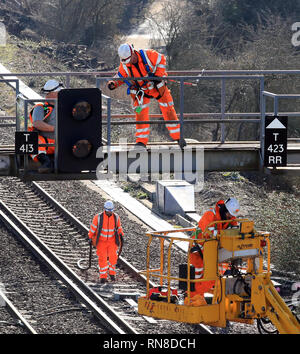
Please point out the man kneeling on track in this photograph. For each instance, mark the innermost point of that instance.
(106, 234)
(43, 119)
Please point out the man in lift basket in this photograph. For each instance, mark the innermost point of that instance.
(227, 210)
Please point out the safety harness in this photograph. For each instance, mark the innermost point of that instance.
(139, 90)
(100, 225)
(197, 247)
(48, 108)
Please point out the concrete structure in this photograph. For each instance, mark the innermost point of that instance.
(175, 197)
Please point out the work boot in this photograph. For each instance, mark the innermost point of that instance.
(103, 280)
(47, 163)
(112, 277)
(139, 146)
(181, 143)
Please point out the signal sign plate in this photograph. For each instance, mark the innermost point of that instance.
(26, 143)
(275, 153)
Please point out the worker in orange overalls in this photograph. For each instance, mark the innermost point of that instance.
(223, 211)
(106, 234)
(43, 120)
(146, 63)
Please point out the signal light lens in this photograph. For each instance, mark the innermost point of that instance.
(82, 149)
(82, 110)
(79, 129)
(263, 243)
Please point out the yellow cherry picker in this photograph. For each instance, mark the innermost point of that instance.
(243, 293)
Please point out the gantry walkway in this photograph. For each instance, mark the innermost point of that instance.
(204, 156)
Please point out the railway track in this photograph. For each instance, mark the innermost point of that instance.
(54, 241)
(30, 210)
(12, 317)
(33, 299)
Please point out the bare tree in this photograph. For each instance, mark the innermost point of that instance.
(75, 20)
(193, 41)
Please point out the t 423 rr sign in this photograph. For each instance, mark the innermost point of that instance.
(275, 153)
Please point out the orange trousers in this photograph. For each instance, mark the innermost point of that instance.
(107, 258)
(201, 287)
(166, 106)
(48, 150)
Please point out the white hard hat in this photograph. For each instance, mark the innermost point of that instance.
(52, 86)
(232, 206)
(109, 205)
(125, 51)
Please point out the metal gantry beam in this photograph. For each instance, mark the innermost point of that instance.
(222, 117)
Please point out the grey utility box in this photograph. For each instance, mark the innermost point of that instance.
(175, 197)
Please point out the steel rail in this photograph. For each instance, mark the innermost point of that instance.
(15, 313)
(94, 302)
(83, 229)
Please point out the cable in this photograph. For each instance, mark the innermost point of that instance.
(262, 329)
(236, 272)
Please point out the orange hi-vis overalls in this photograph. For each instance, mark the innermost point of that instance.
(50, 150)
(106, 239)
(142, 91)
(196, 258)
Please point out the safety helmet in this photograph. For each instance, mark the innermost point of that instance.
(52, 86)
(125, 52)
(109, 205)
(233, 206)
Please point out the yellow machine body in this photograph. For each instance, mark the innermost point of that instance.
(249, 296)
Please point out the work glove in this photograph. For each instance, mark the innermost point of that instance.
(90, 241)
(196, 233)
(111, 85)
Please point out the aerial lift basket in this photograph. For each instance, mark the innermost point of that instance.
(243, 293)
